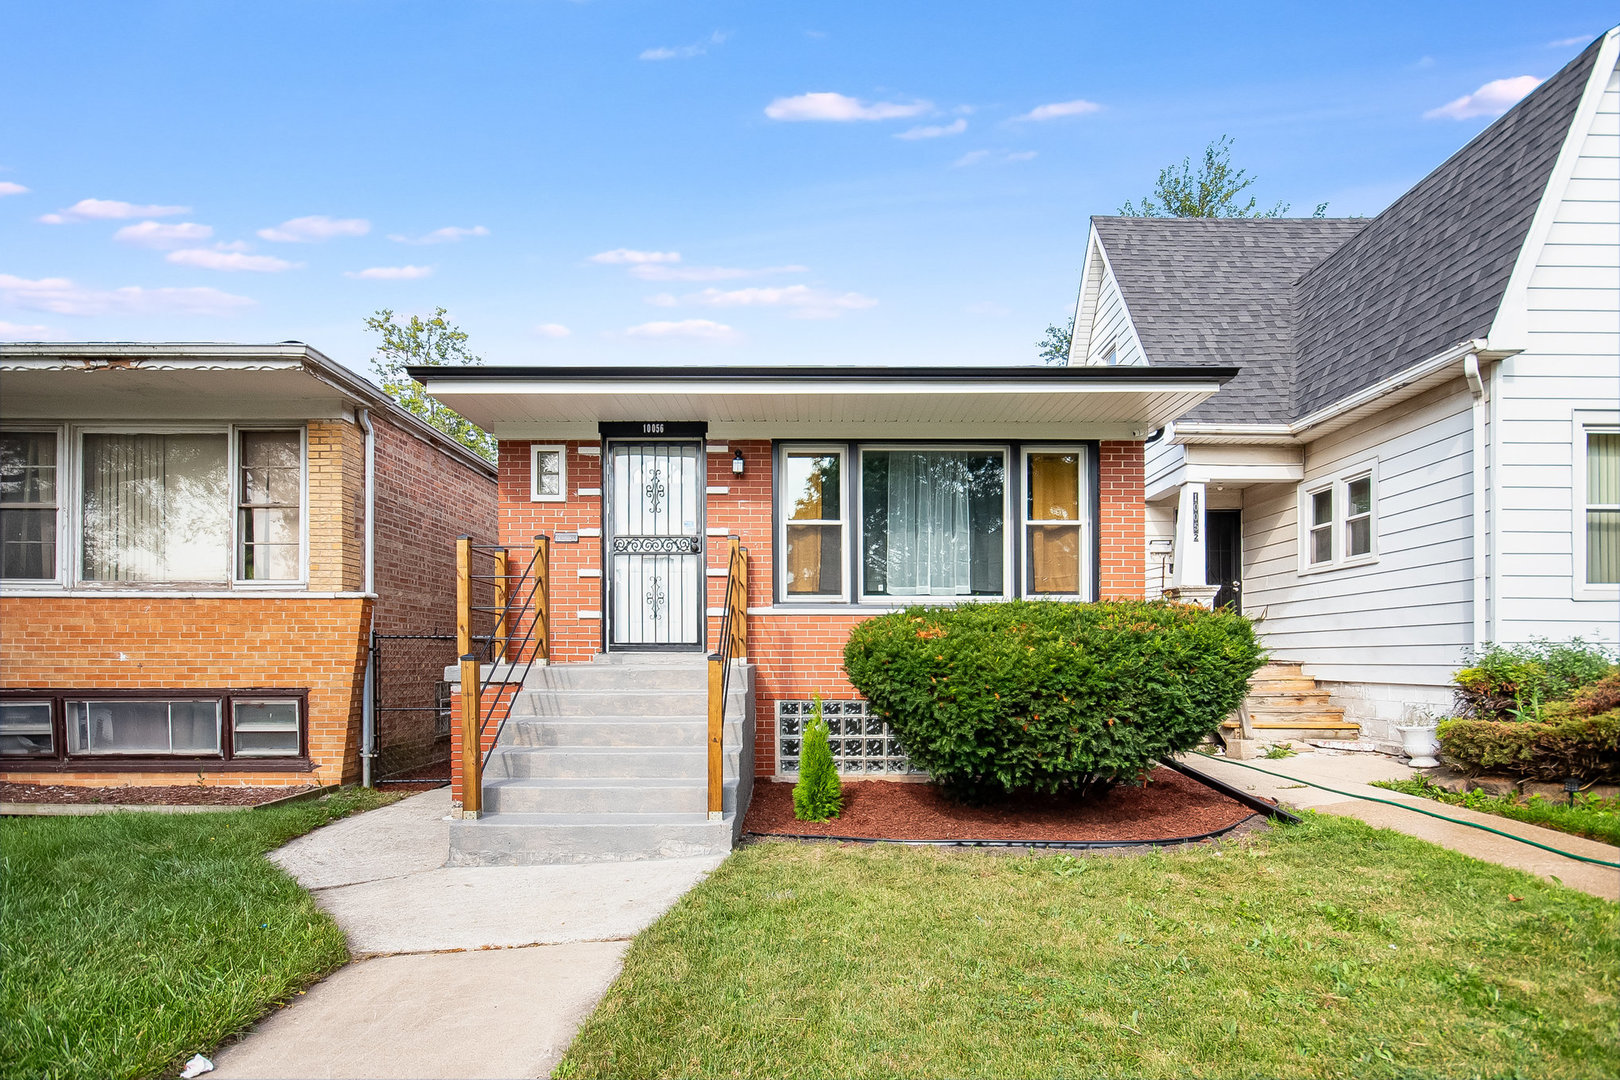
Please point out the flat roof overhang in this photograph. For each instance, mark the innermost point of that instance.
(827, 402)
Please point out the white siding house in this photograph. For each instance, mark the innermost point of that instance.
(1423, 442)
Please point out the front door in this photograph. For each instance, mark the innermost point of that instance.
(1223, 551)
(655, 544)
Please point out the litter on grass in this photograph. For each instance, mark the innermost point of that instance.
(196, 1067)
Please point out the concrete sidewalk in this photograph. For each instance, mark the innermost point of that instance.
(1354, 772)
(460, 971)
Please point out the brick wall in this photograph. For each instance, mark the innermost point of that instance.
(795, 655)
(161, 643)
(337, 490)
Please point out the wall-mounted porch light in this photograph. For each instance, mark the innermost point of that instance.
(737, 464)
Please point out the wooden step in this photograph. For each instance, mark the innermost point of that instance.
(1290, 697)
(1279, 670)
(1257, 685)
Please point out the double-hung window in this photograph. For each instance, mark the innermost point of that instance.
(28, 505)
(814, 526)
(1338, 520)
(1599, 502)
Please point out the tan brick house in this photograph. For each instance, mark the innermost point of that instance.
(196, 542)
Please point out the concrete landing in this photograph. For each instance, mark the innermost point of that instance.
(1354, 773)
(451, 954)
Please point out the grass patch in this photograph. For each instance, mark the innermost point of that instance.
(1591, 817)
(1323, 949)
(131, 941)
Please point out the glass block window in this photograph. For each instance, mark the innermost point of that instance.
(862, 745)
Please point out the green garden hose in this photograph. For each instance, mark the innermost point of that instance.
(1418, 810)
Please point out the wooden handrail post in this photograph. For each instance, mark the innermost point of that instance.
(717, 700)
(463, 595)
(502, 592)
(472, 754)
(542, 596)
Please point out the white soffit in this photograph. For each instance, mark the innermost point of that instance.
(269, 390)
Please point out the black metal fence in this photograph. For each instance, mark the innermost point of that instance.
(411, 706)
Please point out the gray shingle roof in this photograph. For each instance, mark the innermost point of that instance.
(1316, 310)
(1221, 291)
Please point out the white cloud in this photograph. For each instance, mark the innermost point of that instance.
(155, 234)
(1493, 99)
(10, 331)
(212, 259)
(655, 272)
(684, 52)
(390, 273)
(61, 296)
(1565, 43)
(691, 329)
(995, 157)
(934, 131)
(9, 188)
(306, 230)
(621, 256)
(447, 235)
(1059, 109)
(109, 210)
(663, 299)
(839, 108)
(552, 330)
(802, 301)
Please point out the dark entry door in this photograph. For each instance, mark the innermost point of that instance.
(655, 544)
(1223, 550)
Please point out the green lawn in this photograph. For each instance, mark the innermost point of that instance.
(1591, 817)
(1324, 949)
(130, 941)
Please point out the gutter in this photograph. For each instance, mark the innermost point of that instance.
(1481, 547)
(368, 715)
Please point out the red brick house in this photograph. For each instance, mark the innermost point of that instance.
(854, 490)
(196, 542)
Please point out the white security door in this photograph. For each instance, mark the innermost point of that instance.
(655, 544)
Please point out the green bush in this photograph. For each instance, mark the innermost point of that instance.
(1042, 696)
(1587, 747)
(818, 796)
(1514, 683)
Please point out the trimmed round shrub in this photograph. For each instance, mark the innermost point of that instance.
(1042, 696)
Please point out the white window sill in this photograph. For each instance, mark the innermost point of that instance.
(1346, 564)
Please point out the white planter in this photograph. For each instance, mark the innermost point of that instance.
(1420, 745)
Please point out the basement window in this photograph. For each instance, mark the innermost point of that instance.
(114, 729)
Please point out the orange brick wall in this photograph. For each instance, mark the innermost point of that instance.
(131, 643)
(795, 655)
(337, 493)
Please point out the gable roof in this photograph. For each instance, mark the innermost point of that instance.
(1316, 310)
(1221, 291)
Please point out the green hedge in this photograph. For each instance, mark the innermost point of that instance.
(1587, 747)
(1513, 683)
(1042, 696)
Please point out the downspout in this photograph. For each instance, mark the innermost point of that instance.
(368, 715)
(1476, 387)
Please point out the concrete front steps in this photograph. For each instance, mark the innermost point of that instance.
(1286, 705)
(608, 760)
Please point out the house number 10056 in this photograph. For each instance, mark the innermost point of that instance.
(652, 429)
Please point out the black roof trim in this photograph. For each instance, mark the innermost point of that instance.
(1058, 375)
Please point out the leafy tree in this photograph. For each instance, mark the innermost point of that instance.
(1214, 191)
(819, 795)
(1055, 345)
(429, 342)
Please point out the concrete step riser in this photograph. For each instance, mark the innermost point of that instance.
(643, 733)
(544, 763)
(603, 677)
(541, 799)
(684, 704)
(488, 843)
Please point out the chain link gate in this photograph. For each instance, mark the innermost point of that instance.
(411, 707)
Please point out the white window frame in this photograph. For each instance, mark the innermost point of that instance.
(62, 508)
(71, 525)
(1087, 527)
(535, 450)
(1338, 484)
(1584, 424)
(845, 503)
(1009, 513)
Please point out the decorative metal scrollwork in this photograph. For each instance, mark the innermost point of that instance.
(656, 598)
(655, 491)
(657, 545)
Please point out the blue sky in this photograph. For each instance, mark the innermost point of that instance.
(620, 181)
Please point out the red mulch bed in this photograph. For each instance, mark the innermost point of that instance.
(1168, 807)
(173, 795)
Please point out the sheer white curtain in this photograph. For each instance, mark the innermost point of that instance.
(930, 526)
(156, 508)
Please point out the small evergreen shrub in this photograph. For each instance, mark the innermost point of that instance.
(819, 795)
(1515, 683)
(1043, 696)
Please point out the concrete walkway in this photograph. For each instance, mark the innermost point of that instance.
(460, 971)
(1354, 773)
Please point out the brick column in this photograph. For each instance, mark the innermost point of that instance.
(1121, 530)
